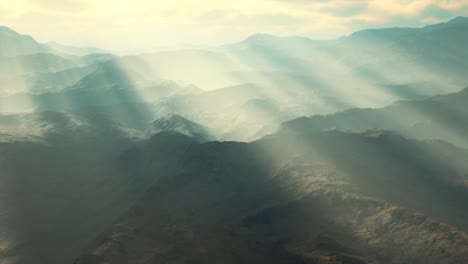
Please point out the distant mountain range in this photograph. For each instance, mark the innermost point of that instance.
(438, 117)
(29, 66)
(57, 47)
(13, 44)
(368, 55)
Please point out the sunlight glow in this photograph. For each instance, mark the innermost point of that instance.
(126, 24)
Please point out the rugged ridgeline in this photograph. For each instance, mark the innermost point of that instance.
(438, 117)
(27, 66)
(261, 81)
(419, 188)
(56, 177)
(403, 62)
(326, 197)
(80, 152)
(181, 125)
(16, 44)
(63, 181)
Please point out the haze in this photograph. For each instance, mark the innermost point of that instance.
(266, 132)
(140, 24)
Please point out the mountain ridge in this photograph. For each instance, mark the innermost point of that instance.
(252, 202)
(178, 124)
(72, 50)
(12, 43)
(443, 116)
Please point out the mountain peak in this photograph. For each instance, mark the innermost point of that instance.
(174, 122)
(7, 30)
(13, 43)
(260, 37)
(172, 117)
(459, 19)
(179, 124)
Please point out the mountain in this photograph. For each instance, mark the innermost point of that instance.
(438, 117)
(181, 125)
(27, 66)
(36, 72)
(35, 63)
(329, 197)
(204, 68)
(421, 42)
(72, 154)
(69, 191)
(296, 76)
(260, 39)
(459, 19)
(42, 72)
(77, 51)
(250, 199)
(371, 59)
(13, 44)
(245, 109)
(101, 83)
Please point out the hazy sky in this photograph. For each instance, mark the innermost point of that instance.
(132, 24)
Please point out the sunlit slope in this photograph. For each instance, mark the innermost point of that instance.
(294, 198)
(42, 72)
(27, 66)
(178, 124)
(439, 117)
(367, 67)
(248, 112)
(370, 68)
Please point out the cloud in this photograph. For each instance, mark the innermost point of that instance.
(436, 12)
(60, 5)
(237, 18)
(389, 8)
(303, 2)
(347, 10)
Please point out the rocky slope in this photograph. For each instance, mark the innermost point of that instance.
(330, 197)
(64, 179)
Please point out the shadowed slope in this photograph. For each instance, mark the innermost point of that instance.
(294, 198)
